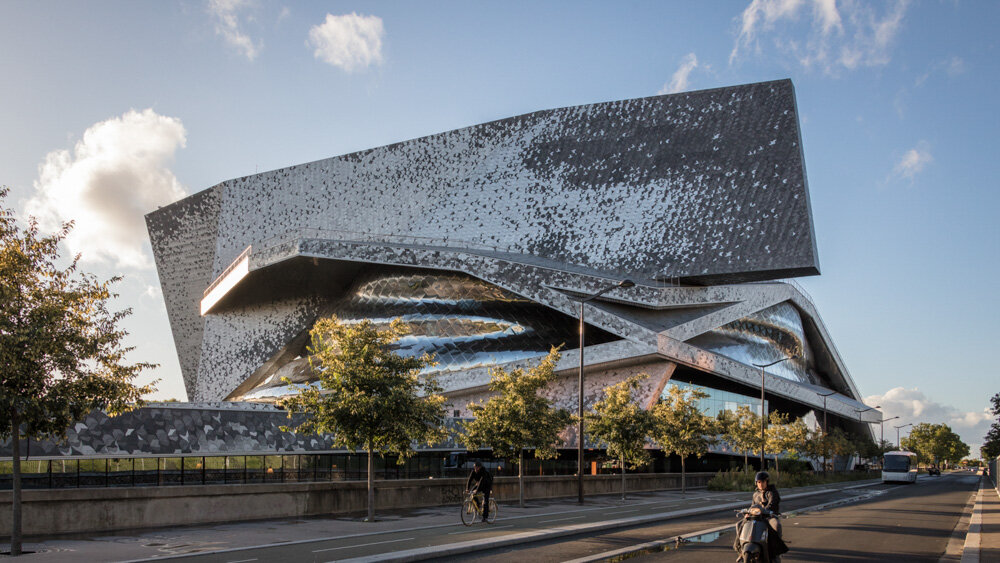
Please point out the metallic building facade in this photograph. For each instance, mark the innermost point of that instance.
(482, 239)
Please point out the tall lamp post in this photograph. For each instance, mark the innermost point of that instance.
(763, 412)
(579, 454)
(860, 411)
(825, 395)
(897, 433)
(881, 433)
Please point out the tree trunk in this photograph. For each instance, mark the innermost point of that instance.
(623, 478)
(15, 528)
(371, 484)
(520, 479)
(776, 470)
(683, 475)
(745, 462)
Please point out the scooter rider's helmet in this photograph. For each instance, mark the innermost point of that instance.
(762, 476)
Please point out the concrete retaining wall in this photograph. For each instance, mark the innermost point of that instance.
(64, 511)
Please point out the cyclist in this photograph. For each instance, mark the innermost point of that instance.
(480, 481)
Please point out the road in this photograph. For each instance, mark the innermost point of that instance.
(876, 523)
(860, 523)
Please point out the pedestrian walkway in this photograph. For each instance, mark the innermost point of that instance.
(982, 543)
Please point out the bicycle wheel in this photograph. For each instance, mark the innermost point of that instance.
(468, 512)
(493, 512)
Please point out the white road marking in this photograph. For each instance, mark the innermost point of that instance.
(242, 561)
(561, 519)
(360, 545)
(481, 529)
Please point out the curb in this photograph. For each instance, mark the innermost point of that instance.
(973, 538)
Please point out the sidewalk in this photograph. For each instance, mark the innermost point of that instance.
(982, 543)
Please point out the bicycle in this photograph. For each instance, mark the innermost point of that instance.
(472, 509)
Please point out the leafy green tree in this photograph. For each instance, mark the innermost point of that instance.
(61, 351)
(785, 436)
(935, 443)
(741, 430)
(680, 426)
(619, 421)
(517, 417)
(827, 445)
(369, 396)
(991, 442)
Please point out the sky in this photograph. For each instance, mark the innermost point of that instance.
(110, 109)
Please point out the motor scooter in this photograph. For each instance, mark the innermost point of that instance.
(752, 532)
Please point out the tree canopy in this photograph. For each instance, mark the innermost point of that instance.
(622, 424)
(517, 416)
(935, 443)
(369, 397)
(62, 353)
(741, 430)
(991, 442)
(680, 427)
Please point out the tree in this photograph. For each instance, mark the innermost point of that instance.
(61, 350)
(785, 436)
(991, 442)
(369, 396)
(741, 430)
(680, 426)
(619, 421)
(935, 443)
(517, 417)
(826, 445)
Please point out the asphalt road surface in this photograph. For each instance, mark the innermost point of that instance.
(876, 523)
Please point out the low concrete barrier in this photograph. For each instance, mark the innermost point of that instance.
(48, 512)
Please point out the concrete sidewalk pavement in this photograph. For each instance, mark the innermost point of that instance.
(982, 542)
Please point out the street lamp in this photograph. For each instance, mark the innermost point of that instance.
(824, 426)
(897, 432)
(579, 454)
(859, 411)
(763, 412)
(881, 433)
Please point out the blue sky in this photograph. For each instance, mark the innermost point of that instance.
(110, 109)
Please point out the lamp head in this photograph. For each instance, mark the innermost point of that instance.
(626, 283)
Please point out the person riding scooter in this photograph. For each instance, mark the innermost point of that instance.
(766, 497)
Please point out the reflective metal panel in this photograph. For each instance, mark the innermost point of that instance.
(764, 337)
(463, 321)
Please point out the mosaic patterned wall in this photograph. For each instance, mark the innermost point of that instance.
(703, 186)
(202, 429)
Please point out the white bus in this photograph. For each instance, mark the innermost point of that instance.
(899, 467)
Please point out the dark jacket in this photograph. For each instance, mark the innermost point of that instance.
(481, 482)
(768, 498)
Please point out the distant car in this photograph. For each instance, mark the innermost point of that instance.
(933, 471)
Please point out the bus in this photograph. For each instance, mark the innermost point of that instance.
(899, 467)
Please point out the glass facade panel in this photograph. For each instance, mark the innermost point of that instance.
(718, 401)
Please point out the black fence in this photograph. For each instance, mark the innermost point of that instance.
(212, 470)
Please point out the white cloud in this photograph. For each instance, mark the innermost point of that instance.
(115, 174)
(679, 81)
(227, 14)
(912, 406)
(350, 41)
(913, 162)
(822, 33)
